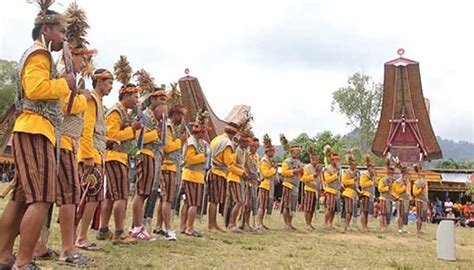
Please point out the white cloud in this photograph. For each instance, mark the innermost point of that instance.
(284, 58)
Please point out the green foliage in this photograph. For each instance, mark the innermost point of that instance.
(454, 164)
(340, 145)
(319, 141)
(8, 80)
(470, 190)
(360, 101)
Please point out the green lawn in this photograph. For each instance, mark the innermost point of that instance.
(279, 249)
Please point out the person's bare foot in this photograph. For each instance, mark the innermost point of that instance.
(234, 229)
(215, 228)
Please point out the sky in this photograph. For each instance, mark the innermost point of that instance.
(282, 58)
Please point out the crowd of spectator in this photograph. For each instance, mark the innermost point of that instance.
(462, 214)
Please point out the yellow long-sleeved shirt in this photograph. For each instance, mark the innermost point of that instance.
(349, 186)
(79, 106)
(236, 173)
(266, 172)
(148, 137)
(226, 157)
(417, 191)
(86, 142)
(113, 123)
(308, 177)
(398, 189)
(287, 172)
(192, 158)
(365, 182)
(37, 85)
(170, 146)
(328, 178)
(383, 188)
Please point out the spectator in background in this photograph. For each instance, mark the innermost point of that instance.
(376, 208)
(438, 205)
(429, 212)
(5, 177)
(436, 214)
(467, 208)
(457, 209)
(448, 205)
(450, 214)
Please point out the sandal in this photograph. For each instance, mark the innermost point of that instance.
(30, 266)
(88, 246)
(50, 254)
(193, 234)
(77, 260)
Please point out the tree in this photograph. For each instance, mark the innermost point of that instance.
(303, 140)
(454, 164)
(470, 191)
(8, 80)
(360, 101)
(318, 141)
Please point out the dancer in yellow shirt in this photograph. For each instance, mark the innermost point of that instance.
(350, 182)
(196, 153)
(122, 129)
(268, 178)
(385, 190)
(312, 179)
(420, 191)
(222, 151)
(400, 193)
(367, 185)
(291, 170)
(331, 187)
(35, 131)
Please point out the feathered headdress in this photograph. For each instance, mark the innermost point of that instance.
(245, 127)
(145, 82)
(88, 70)
(350, 157)
(368, 160)
(146, 86)
(76, 30)
(329, 154)
(311, 150)
(175, 102)
(267, 143)
(388, 164)
(327, 151)
(123, 74)
(43, 17)
(284, 142)
(392, 161)
(417, 168)
(201, 120)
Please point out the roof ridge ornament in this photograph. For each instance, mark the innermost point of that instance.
(401, 52)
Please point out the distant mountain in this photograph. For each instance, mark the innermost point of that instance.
(460, 150)
(456, 150)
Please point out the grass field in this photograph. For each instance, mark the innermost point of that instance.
(278, 249)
